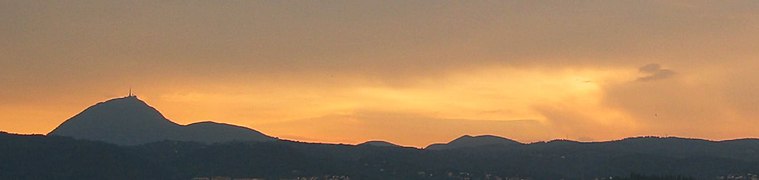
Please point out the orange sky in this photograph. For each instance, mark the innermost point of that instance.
(409, 72)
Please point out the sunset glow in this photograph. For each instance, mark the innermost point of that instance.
(411, 73)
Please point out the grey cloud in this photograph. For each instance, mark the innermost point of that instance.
(655, 72)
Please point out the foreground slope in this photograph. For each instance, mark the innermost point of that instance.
(131, 121)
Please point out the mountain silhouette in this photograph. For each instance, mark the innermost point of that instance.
(131, 121)
(468, 141)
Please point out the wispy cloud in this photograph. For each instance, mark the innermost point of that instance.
(655, 72)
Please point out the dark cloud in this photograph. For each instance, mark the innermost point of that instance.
(654, 72)
(650, 68)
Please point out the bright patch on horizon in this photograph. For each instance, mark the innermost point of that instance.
(490, 94)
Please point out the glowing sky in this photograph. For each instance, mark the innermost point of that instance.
(409, 72)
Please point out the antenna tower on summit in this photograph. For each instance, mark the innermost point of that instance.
(130, 92)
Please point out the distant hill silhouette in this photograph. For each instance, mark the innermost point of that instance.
(131, 121)
(468, 141)
(378, 144)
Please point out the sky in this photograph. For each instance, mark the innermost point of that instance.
(409, 72)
